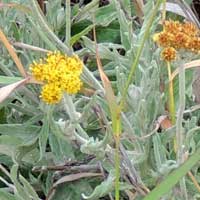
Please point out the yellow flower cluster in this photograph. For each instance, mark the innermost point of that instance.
(178, 36)
(59, 73)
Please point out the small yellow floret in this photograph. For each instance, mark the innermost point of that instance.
(37, 71)
(75, 64)
(172, 26)
(168, 54)
(190, 29)
(71, 83)
(51, 93)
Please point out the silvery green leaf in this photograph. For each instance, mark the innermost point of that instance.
(103, 189)
(96, 147)
(23, 187)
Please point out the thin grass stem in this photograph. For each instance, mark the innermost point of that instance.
(117, 156)
(117, 168)
(196, 184)
(171, 95)
(164, 11)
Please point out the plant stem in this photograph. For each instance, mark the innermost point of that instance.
(117, 134)
(115, 116)
(73, 115)
(195, 182)
(68, 23)
(164, 11)
(171, 95)
(179, 128)
(139, 52)
(117, 168)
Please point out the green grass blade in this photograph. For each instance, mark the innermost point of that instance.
(173, 178)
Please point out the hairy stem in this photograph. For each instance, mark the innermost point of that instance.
(71, 111)
(179, 128)
(68, 23)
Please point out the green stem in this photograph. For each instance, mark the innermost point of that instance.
(164, 11)
(68, 23)
(117, 133)
(117, 168)
(139, 52)
(171, 95)
(172, 179)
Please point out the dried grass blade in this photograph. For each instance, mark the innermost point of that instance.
(74, 177)
(109, 94)
(192, 64)
(7, 90)
(12, 54)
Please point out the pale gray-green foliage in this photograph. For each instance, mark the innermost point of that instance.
(35, 134)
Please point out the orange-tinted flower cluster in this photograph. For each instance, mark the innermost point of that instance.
(59, 73)
(178, 36)
(168, 54)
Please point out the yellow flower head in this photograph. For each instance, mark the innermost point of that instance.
(59, 73)
(168, 54)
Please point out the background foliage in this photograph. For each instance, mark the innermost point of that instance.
(66, 151)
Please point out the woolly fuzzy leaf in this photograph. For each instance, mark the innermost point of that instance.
(104, 188)
(23, 187)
